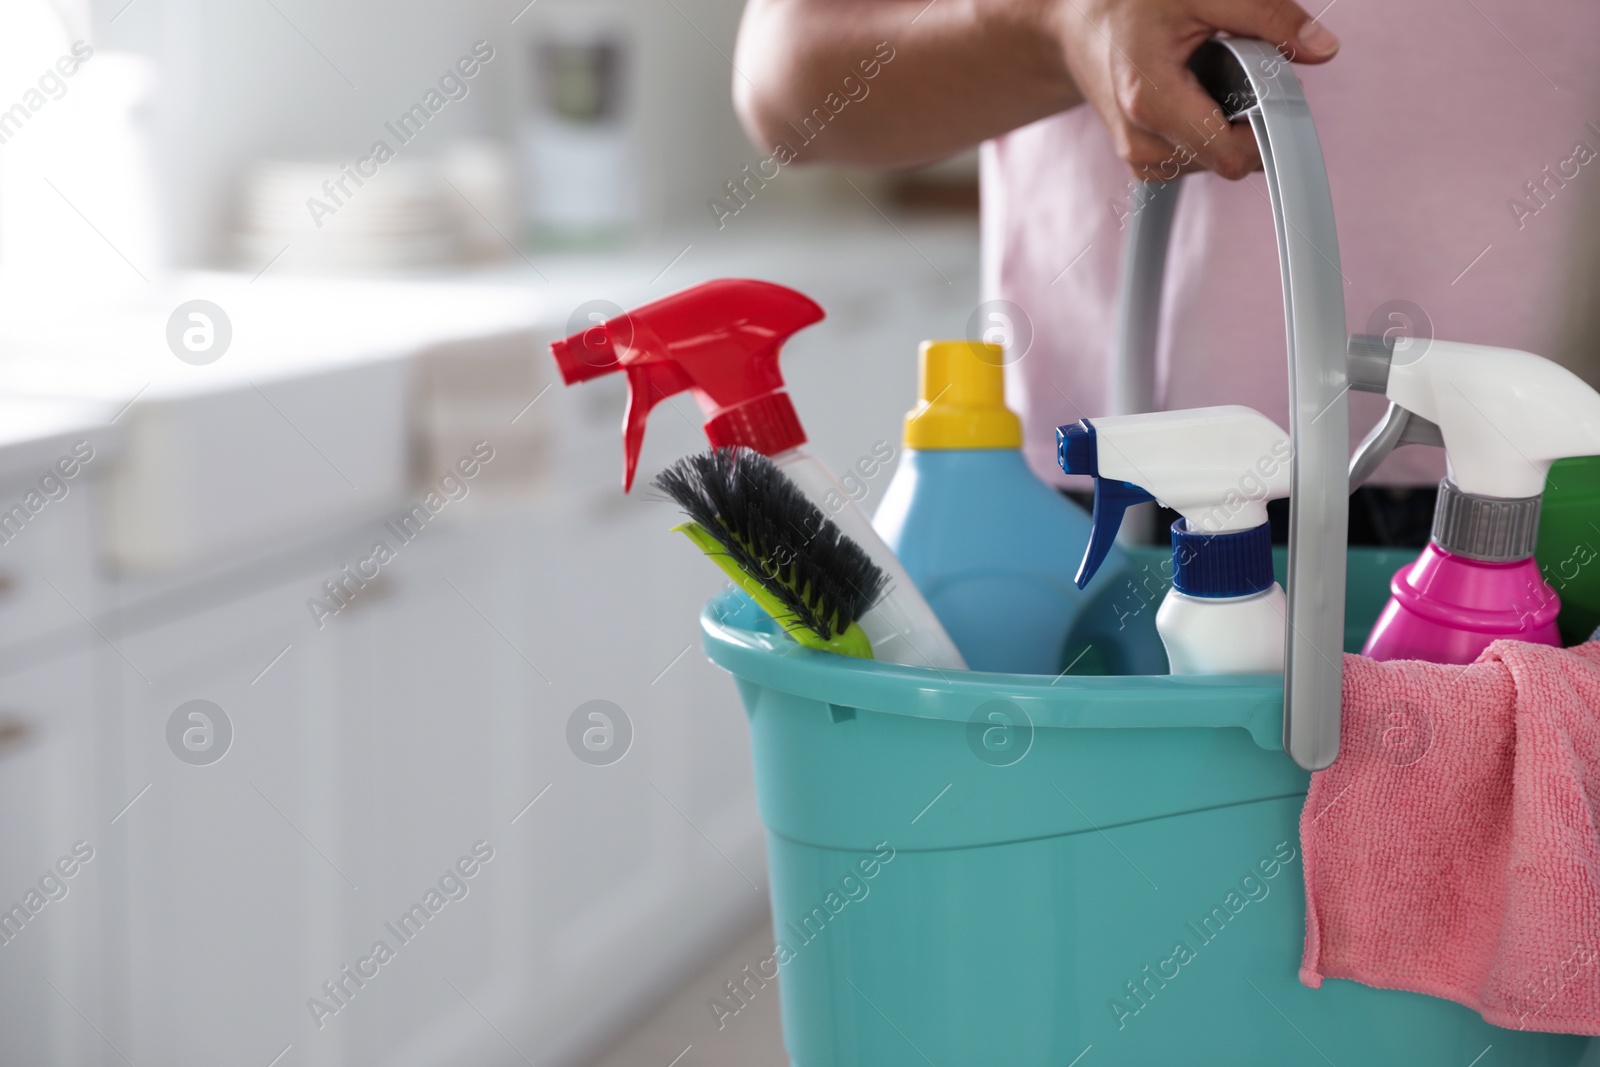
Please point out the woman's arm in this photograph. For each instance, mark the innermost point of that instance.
(962, 71)
(966, 70)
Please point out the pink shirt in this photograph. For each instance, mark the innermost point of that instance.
(1437, 125)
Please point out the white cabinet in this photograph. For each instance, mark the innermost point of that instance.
(237, 871)
(433, 689)
(56, 868)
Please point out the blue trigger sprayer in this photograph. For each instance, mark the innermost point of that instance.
(1217, 467)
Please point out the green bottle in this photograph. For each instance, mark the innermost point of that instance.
(1569, 544)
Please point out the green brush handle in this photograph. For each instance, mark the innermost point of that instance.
(853, 642)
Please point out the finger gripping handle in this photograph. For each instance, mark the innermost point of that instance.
(1223, 76)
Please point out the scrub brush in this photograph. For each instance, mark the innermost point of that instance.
(776, 545)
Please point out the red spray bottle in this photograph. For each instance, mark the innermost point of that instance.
(720, 340)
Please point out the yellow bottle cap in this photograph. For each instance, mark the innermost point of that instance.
(962, 390)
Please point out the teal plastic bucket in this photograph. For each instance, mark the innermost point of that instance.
(1009, 870)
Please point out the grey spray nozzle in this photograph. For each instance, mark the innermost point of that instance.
(1397, 427)
(1368, 359)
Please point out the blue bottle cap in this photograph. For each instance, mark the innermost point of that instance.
(1221, 565)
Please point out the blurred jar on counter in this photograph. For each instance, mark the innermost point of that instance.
(574, 141)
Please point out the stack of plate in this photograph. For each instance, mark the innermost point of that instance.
(398, 219)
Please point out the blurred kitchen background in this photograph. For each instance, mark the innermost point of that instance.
(238, 344)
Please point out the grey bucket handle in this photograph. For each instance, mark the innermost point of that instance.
(1251, 78)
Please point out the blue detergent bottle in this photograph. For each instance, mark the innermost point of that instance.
(993, 549)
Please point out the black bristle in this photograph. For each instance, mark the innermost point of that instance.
(778, 536)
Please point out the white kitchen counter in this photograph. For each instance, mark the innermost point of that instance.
(290, 326)
(36, 432)
(303, 423)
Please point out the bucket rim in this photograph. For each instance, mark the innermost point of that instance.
(734, 638)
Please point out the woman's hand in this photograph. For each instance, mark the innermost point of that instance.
(1129, 60)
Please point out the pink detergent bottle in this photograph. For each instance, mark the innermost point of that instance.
(1475, 583)
(1503, 417)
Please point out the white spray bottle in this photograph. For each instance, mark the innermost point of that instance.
(1217, 467)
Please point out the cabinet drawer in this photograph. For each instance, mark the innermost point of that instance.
(47, 583)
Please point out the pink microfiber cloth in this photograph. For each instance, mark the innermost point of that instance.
(1452, 849)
